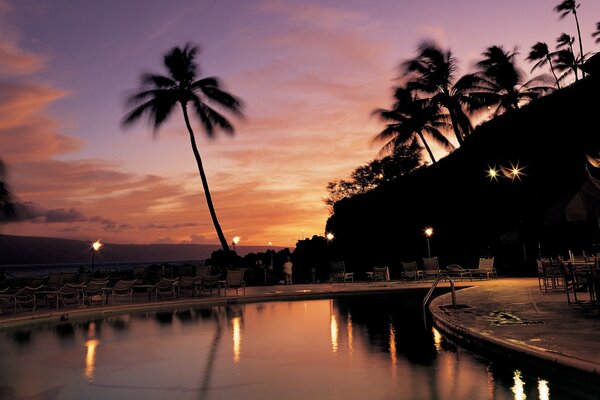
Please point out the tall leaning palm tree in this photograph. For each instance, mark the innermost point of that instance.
(410, 117)
(6, 202)
(540, 53)
(500, 82)
(161, 94)
(565, 8)
(433, 72)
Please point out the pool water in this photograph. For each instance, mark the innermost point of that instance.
(350, 348)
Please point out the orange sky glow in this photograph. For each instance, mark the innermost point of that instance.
(309, 75)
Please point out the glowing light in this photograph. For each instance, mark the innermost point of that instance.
(543, 390)
(492, 173)
(518, 388)
(90, 359)
(329, 236)
(350, 334)
(437, 339)
(236, 239)
(237, 338)
(428, 231)
(392, 346)
(96, 245)
(514, 172)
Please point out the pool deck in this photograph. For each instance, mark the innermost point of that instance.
(506, 316)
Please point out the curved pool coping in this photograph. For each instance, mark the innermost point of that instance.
(518, 352)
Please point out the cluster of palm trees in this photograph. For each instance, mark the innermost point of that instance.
(433, 101)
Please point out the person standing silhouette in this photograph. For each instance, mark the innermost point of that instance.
(287, 271)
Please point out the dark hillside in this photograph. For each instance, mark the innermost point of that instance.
(474, 216)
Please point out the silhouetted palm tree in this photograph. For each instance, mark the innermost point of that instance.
(408, 117)
(597, 33)
(565, 8)
(540, 53)
(564, 61)
(160, 94)
(6, 203)
(433, 72)
(500, 83)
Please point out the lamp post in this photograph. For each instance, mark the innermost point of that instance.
(95, 247)
(236, 240)
(428, 233)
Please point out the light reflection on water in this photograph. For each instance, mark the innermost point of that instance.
(360, 347)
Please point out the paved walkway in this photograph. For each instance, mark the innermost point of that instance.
(512, 317)
(507, 316)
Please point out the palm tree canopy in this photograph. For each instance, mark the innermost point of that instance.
(410, 116)
(597, 33)
(540, 53)
(566, 7)
(433, 69)
(499, 83)
(564, 40)
(161, 93)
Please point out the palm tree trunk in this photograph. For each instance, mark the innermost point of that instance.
(580, 44)
(426, 147)
(552, 69)
(209, 202)
(459, 136)
(574, 67)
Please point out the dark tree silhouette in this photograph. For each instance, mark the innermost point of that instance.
(540, 53)
(433, 72)
(565, 8)
(566, 62)
(6, 203)
(500, 82)
(160, 94)
(410, 117)
(404, 160)
(597, 33)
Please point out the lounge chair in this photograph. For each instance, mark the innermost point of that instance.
(234, 280)
(188, 284)
(94, 292)
(121, 289)
(379, 274)
(485, 269)
(456, 271)
(68, 295)
(431, 267)
(23, 298)
(165, 287)
(410, 271)
(209, 283)
(339, 274)
(202, 271)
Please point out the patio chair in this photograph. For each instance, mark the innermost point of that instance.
(457, 271)
(67, 295)
(165, 287)
(94, 292)
(209, 283)
(188, 284)
(122, 288)
(410, 271)
(53, 282)
(485, 269)
(234, 280)
(431, 267)
(339, 274)
(379, 274)
(202, 271)
(22, 298)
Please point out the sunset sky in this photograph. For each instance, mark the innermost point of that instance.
(308, 72)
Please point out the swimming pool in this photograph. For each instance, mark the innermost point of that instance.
(349, 348)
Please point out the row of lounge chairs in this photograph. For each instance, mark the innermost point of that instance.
(411, 271)
(102, 291)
